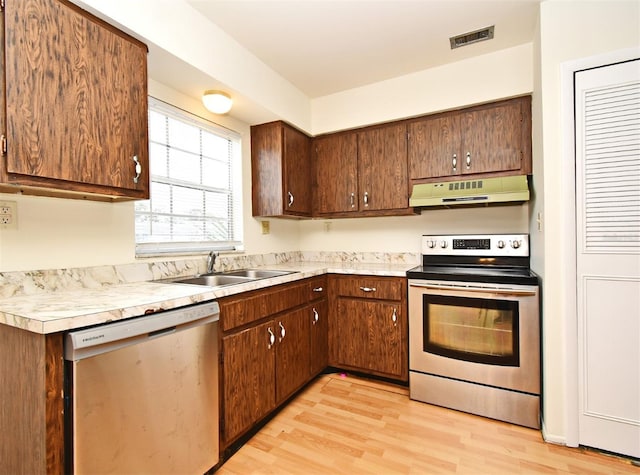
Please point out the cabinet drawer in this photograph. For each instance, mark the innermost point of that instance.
(316, 288)
(381, 288)
(251, 306)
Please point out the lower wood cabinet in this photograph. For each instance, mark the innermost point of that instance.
(277, 344)
(31, 393)
(248, 379)
(369, 327)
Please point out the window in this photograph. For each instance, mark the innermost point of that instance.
(194, 202)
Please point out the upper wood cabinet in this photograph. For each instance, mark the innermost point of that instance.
(280, 171)
(494, 138)
(76, 104)
(336, 173)
(362, 173)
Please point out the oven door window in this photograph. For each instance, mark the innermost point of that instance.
(472, 329)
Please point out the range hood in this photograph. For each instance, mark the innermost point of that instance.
(470, 192)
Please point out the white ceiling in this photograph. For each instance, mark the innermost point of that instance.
(327, 46)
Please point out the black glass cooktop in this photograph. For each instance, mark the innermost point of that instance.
(488, 273)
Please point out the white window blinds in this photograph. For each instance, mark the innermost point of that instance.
(195, 184)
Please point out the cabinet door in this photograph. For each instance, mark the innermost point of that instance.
(248, 359)
(297, 173)
(336, 174)
(76, 97)
(492, 139)
(319, 316)
(434, 147)
(370, 336)
(280, 171)
(293, 354)
(382, 168)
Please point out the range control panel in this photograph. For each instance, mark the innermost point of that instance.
(476, 245)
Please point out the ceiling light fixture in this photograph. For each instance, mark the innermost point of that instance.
(218, 102)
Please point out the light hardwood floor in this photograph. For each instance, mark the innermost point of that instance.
(347, 425)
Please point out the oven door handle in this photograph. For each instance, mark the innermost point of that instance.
(476, 288)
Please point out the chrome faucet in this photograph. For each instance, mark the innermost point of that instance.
(211, 261)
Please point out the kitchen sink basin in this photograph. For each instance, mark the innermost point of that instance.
(221, 279)
(214, 280)
(257, 273)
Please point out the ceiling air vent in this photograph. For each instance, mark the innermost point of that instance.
(471, 37)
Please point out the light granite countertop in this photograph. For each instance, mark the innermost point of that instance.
(49, 308)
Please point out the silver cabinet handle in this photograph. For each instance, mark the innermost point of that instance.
(352, 200)
(290, 198)
(272, 338)
(454, 162)
(282, 331)
(394, 318)
(318, 289)
(468, 160)
(138, 169)
(366, 198)
(315, 316)
(368, 289)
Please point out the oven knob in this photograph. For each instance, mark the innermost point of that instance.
(431, 244)
(443, 244)
(515, 244)
(500, 244)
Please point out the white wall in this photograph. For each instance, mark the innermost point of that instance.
(485, 78)
(569, 30)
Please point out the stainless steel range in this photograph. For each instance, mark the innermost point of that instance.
(474, 327)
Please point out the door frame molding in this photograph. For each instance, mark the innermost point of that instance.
(568, 194)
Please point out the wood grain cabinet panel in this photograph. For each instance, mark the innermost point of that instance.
(248, 381)
(280, 171)
(368, 330)
(490, 139)
(318, 313)
(382, 168)
(336, 174)
(272, 345)
(76, 104)
(293, 358)
(32, 414)
(362, 173)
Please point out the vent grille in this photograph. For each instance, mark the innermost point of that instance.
(612, 168)
(472, 37)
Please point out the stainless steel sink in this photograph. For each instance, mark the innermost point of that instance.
(257, 273)
(221, 279)
(214, 280)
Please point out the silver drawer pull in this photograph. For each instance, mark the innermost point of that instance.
(318, 289)
(282, 331)
(315, 316)
(368, 289)
(394, 318)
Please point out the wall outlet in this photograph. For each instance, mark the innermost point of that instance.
(265, 227)
(8, 215)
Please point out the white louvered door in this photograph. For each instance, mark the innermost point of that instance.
(607, 103)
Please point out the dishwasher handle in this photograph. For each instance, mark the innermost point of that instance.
(100, 339)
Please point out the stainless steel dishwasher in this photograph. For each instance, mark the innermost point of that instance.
(143, 394)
